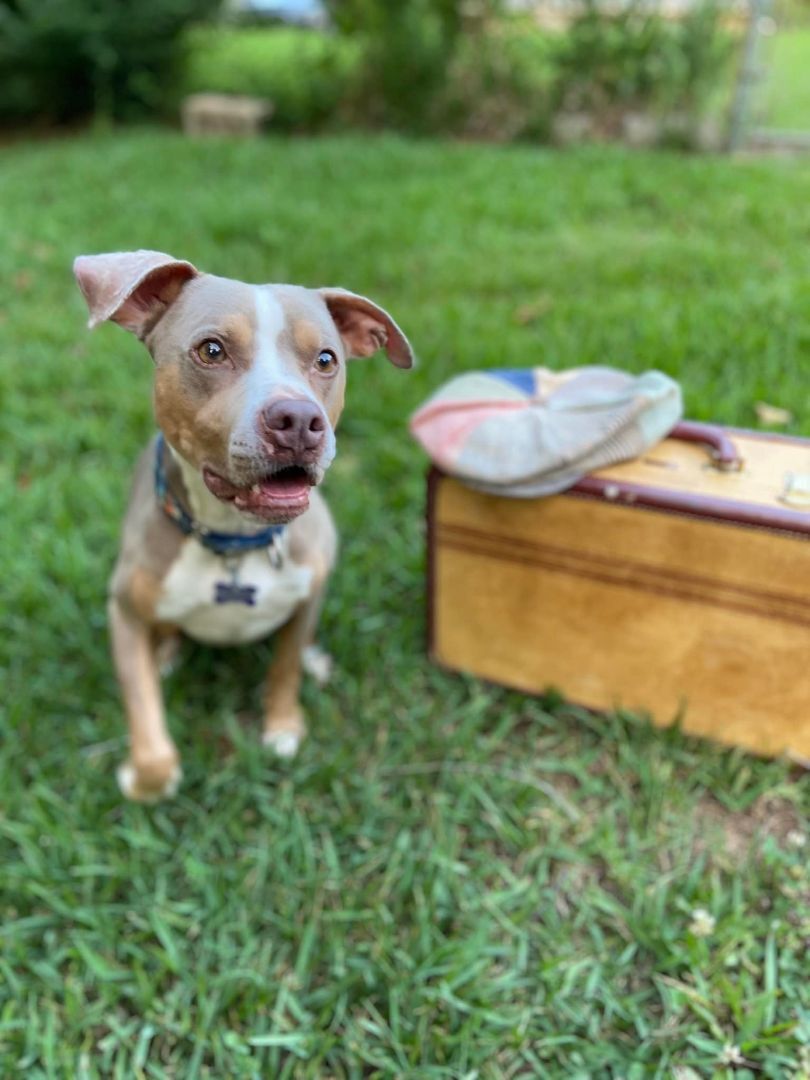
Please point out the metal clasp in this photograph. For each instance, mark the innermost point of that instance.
(796, 491)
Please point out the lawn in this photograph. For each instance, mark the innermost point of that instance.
(450, 880)
(785, 95)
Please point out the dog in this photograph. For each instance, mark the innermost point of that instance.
(226, 537)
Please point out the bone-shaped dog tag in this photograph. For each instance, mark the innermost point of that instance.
(232, 592)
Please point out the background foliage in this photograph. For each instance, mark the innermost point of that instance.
(630, 56)
(305, 74)
(63, 60)
(418, 66)
(406, 51)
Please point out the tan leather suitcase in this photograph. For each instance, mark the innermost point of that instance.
(677, 584)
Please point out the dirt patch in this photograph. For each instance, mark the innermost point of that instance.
(769, 816)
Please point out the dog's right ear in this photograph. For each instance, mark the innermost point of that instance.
(133, 288)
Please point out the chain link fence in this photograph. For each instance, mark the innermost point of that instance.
(771, 104)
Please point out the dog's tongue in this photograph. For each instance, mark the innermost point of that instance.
(285, 493)
(274, 493)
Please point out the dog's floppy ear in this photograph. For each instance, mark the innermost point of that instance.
(364, 327)
(133, 288)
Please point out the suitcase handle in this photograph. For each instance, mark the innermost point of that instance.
(725, 455)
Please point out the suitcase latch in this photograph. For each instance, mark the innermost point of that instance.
(796, 491)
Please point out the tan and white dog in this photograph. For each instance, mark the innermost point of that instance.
(226, 537)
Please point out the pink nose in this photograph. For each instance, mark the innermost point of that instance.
(293, 424)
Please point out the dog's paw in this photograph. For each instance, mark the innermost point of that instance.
(317, 663)
(149, 782)
(283, 743)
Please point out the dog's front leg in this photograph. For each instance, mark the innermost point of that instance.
(152, 770)
(284, 724)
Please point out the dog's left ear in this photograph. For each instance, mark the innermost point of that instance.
(133, 288)
(364, 327)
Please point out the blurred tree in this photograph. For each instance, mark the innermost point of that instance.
(67, 59)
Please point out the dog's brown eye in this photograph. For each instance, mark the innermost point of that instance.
(326, 362)
(211, 352)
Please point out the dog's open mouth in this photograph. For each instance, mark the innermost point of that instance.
(278, 496)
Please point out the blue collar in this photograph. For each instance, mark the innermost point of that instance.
(218, 542)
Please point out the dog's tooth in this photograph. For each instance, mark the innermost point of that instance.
(255, 489)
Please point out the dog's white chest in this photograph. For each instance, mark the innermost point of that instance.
(217, 605)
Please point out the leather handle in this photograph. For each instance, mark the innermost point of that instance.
(724, 453)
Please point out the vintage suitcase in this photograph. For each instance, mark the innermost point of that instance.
(677, 584)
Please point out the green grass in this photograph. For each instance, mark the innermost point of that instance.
(450, 880)
(785, 98)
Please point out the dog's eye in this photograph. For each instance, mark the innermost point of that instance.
(211, 352)
(326, 362)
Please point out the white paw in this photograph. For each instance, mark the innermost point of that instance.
(317, 663)
(161, 784)
(284, 743)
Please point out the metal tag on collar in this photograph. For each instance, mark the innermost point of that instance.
(274, 553)
(233, 592)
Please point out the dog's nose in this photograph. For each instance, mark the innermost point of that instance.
(293, 424)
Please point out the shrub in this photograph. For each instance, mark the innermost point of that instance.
(455, 66)
(618, 59)
(500, 82)
(66, 59)
(406, 51)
